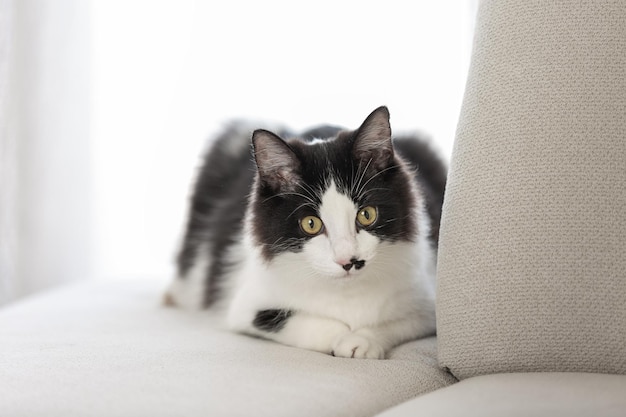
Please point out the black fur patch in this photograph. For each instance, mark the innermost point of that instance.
(430, 173)
(271, 321)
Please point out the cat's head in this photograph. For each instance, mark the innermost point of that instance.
(331, 205)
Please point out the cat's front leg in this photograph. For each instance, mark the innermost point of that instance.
(295, 328)
(359, 346)
(373, 342)
(318, 333)
(311, 332)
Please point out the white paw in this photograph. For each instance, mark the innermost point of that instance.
(353, 345)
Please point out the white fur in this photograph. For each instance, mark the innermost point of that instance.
(316, 141)
(188, 292)
(327, 253)
(359, 313)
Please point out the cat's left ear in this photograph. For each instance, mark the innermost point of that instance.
(373, 140)
(278, 166)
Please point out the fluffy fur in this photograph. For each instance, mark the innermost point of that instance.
(325, 242)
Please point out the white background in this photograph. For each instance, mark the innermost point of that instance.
(111, 104)
(167, 73)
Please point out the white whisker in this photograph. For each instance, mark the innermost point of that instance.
(288, 194)
(358, 184)
(360, 190)
(313, 206)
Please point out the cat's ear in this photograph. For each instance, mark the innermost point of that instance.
(278, 166)
(372, 143)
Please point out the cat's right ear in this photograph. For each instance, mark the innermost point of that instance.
(278, 166)
(373, 140)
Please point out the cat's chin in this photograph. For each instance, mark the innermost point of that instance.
(344, 276)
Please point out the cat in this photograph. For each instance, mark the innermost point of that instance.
(326, 242)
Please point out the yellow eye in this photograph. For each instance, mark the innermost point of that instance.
(311, 225)
(367, 216)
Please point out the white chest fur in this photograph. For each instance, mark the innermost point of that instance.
(397, 280)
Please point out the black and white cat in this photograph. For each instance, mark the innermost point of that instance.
(325, 242)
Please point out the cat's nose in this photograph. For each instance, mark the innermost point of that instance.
(354, 262)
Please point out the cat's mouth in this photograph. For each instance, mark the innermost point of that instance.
(349, 275)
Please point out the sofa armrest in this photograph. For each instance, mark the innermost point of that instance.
(531, 266)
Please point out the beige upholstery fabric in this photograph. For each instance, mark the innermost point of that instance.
(523, 395)
(532, 261)
(112, 350)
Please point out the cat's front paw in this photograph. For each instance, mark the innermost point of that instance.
(353, 345)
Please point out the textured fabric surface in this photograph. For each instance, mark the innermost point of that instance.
(532, 265)
(523, 395)
(112, 350)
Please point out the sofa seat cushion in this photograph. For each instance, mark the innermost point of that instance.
(111, 349)
(524, 394)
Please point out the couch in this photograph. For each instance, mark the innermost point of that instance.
(531, 297)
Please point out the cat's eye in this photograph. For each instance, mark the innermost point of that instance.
(367, 216)
(311, 225)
